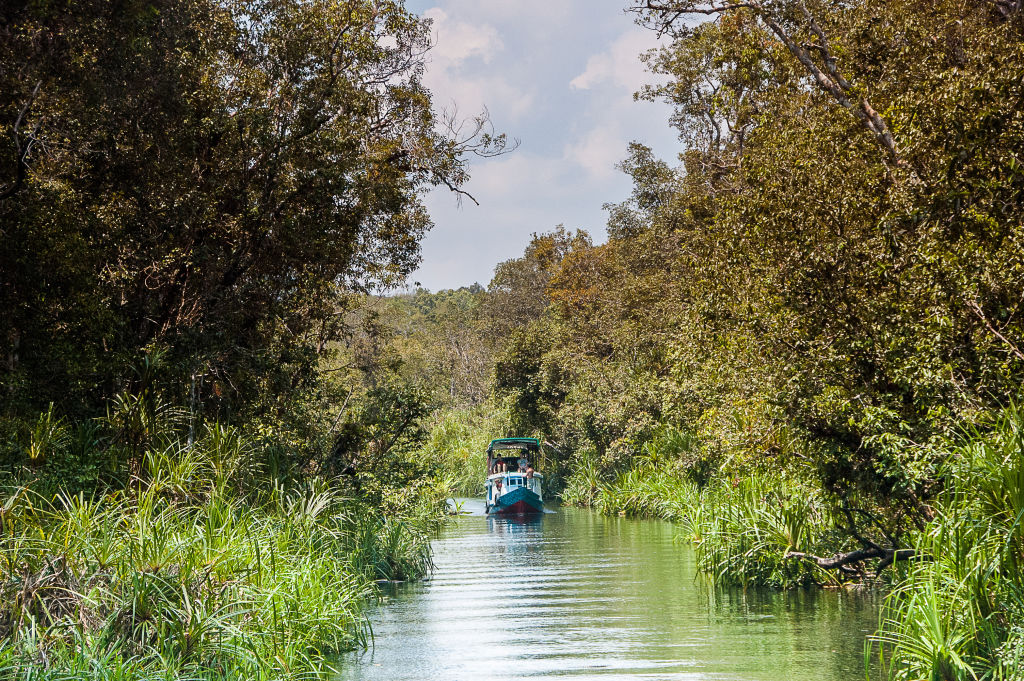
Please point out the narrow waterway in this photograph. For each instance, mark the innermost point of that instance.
(581, 595)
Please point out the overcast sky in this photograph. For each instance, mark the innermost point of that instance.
(560, 76)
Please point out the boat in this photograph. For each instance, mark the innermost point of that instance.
(513, 486)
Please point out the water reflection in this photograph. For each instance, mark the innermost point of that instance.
(577, 594)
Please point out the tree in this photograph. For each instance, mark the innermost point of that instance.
(210, 177)
(800, 30)
(517, 294)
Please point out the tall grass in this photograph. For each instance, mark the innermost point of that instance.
(743, 529)
(959, 612)
(207, 569)
(747, 529)
(743, 525)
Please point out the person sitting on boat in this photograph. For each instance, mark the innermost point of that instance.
(529, 471)
(523, 464)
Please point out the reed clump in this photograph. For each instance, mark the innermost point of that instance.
(745, 527)
(202, 567)
(744, 530)
(955, 607)
(458, 444)
(958, 613)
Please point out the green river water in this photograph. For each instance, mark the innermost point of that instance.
(575, 594)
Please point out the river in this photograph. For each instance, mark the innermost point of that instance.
(580, 595)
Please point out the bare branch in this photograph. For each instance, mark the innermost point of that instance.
(714, 9)
(458, 191)
(843, 560)
(22, 152)
(995, 332)
(828, 76)
(475, 135)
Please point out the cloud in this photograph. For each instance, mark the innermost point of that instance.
(605, 87)
(469, 95)
(539, 15)
(599, 150)
(619, 65)
(559, 75)
(458, 41)
(518, 175)
(460, 73)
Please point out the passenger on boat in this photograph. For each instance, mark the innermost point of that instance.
(529, 471)
(523, 464)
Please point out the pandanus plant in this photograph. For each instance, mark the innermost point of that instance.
(49, 435)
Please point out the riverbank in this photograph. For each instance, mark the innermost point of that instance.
(957, 581)
(205, 566)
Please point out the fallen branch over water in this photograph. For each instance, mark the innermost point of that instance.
(843, 561)
(870, 550)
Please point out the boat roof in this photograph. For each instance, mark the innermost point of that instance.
(530, 444)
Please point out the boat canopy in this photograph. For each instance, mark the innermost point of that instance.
(528, 444)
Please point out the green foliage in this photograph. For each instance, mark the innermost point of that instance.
(209, 569)
(458, 443)
(956, 613)
(49, 434)
(584, 483)
(517, 295)
(440, 342)
(749, 527)
(213, 178)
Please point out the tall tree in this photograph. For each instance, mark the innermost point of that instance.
(209, 176)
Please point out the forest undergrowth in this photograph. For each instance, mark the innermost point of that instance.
(204, 566)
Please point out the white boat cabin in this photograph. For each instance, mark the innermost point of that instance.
(510, 467)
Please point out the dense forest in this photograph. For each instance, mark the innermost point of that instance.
(802, 340)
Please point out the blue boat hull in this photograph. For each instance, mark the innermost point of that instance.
(519, 501)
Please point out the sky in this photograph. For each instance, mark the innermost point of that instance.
(559, 75)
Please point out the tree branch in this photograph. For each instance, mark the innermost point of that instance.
(459, 192)
(995, 332)
(869, 549)
(843, 560)
(21, 170)
(829, 78)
